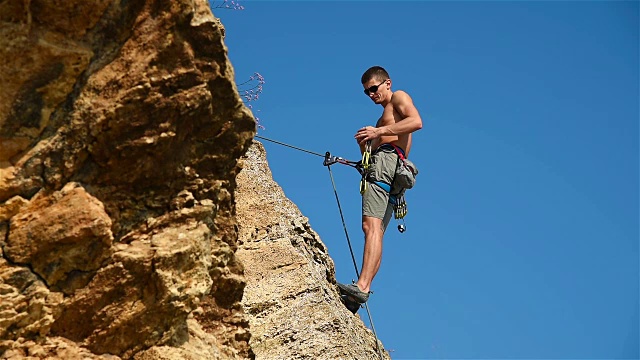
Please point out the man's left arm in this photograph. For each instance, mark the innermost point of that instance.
(411, 120)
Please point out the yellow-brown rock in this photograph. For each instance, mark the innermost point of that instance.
(291, 297)
(127, 230)
(120, 133)
(65, 237)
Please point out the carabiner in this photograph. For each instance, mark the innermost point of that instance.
(366, 156)
(363, 185)
(365, 164)
(400, 207)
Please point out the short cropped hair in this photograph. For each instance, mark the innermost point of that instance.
(375, 72)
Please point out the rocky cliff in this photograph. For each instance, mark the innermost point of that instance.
(121, 131)
(290, 297)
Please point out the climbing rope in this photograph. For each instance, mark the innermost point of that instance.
(291, 146)
(328, 161)
(344, 226)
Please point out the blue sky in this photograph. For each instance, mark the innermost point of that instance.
(522, 232)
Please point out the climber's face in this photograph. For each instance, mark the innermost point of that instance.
(377, 89)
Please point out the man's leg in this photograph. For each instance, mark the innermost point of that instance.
(372, 257)
(376, 213)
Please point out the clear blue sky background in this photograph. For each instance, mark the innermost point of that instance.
(522, 232)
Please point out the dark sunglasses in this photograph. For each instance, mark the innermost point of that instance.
(373, 88)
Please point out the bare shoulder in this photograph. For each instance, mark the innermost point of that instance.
(403, 103)
(400, 97)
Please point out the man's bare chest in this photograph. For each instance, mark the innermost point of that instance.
(387, 118)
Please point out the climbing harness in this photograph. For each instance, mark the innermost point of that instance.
(398, 201)
(328, 161)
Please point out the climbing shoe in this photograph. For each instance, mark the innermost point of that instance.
(354, 292)
(351, 305)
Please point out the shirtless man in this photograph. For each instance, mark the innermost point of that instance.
(399, 119)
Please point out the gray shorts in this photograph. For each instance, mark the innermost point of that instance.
(375, 201)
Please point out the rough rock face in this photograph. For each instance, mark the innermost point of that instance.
(120, 134)
(291, 298)
(121, 131)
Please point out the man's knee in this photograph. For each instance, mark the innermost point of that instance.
(371, 224)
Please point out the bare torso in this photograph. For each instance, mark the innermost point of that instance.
(391, 116)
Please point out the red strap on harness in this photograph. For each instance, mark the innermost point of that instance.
(398, 151)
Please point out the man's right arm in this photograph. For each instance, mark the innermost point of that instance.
(410, 121)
